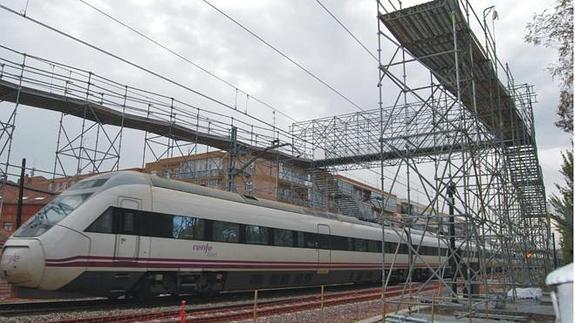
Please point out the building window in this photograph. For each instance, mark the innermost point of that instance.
(8, 226)
(249, 186)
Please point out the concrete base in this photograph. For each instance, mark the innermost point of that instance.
(520, 311)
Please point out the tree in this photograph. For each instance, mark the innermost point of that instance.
(563, 205)
(555, 29)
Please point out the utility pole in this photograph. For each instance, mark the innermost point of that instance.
(232, 160)
(555, 264)
(20, 194)
(233, 171)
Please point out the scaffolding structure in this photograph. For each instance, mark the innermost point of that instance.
(463, 137)
(106, 108)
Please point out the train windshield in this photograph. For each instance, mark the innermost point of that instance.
(51, 214)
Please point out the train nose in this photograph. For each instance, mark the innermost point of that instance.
(22, 262)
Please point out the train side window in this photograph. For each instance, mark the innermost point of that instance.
(403, 249)
(186, 227)
(255, 234)
(372, 246)
(310, 240)
(208, 230)
(283, 238)
(128, 222)
(390, 247)
(300, 240)
(157, 225)
(350, 244)
(359, 245)
(323, 241)
(339, 243)
(104, 223)
(89, 184)
(225, 231)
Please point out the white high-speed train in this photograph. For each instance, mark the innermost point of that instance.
(134, 234)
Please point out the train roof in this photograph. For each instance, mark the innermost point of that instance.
(133, 177)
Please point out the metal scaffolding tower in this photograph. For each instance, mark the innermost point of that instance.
(463, 137)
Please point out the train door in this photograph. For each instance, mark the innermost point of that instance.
(128, 239)
(324, 249)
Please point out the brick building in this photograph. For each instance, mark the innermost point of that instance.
(279, 181)
(263, 178)
(33, 200)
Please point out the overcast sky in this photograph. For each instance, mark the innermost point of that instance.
(299, 28)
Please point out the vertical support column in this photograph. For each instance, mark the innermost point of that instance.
(20, 194)
(232, 155)
(7, 135)
(452, 248)
(381, 152)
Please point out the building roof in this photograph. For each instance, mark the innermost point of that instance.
(31, 195)
(175, 161)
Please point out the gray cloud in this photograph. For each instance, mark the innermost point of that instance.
(299, 28)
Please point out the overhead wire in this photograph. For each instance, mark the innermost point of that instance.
(137, 66)
(347, 30)
(307, 71)
(291, 60)
(182, 57)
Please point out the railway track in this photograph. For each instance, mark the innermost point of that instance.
(40, 307)
(94, 304)
(44, 307)
(264, 308)
(296, 305)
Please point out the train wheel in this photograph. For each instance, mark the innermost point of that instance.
(141, 291)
